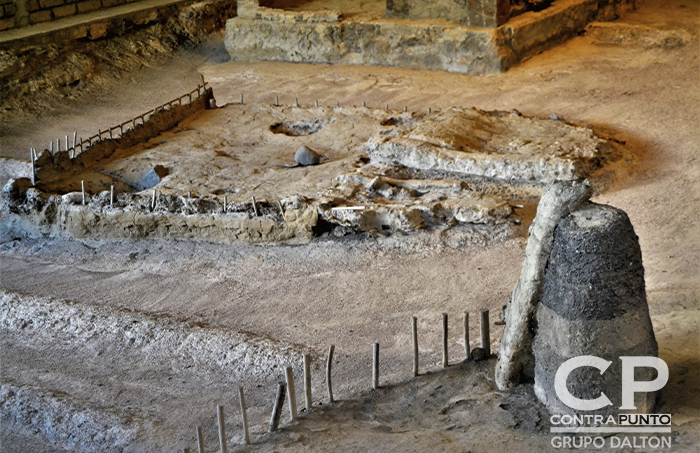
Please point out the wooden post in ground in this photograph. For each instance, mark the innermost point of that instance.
(289, 374)
(445, 362)
(485, 335)
(222, 429)
(307, 381)
(329, 363)
(375, 366)
(244, 415)
(466, 335)
(414, 332)
(277, 409)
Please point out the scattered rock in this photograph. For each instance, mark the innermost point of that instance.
(556, 117)
(478, 354)
(153, 177)
(306, 156)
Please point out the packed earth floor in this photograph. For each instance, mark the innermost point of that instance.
(139, 340)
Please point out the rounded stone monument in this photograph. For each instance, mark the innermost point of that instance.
(593, 303)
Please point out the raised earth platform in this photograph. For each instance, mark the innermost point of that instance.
(229, 174)
(307, 34)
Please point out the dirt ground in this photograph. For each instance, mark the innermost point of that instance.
(636, 79)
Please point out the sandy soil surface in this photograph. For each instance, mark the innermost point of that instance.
(634, 83)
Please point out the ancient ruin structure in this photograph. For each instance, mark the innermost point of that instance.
(581, 293)
(473, 37)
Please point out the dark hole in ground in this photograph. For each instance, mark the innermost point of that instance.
(306, 127)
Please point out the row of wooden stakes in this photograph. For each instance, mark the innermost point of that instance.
(286, 389)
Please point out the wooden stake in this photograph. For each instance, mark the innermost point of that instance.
(316, 102)
(329, 363)
(31, 156)
(375, 366)
(255, 208)
(292, 394)
(277, 101)
(364, 104)
(445, 361)
(111, 196)
(66, 142)
(414, 332)
(277, 409)
(466, 335)
(222, 429)
(58, 144)
(241, 98)
(485, 336)
(405, 108)
(307, 381)
(244, 415)
(200, 439)
(296, 102)
(82, 187)
(430, 110)
(337, 103)
(51, 147)
(75, 135)
(153, 201)
(386, 107)
(225, 204)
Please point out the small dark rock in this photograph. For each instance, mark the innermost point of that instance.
(478, 354)
(306, 156)
(153, 177)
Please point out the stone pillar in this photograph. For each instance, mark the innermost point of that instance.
(593, 302)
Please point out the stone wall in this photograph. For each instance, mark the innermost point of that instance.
(475, 13)
(21, 13)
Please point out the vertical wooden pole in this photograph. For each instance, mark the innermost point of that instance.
(111, 196)
(414, 333)
(277, 409)
(244, 415)
(307, 381)
(291, 392)
(329, 363)
(466, 335)
(485, 336)
(200, 439)
(375, 366)
(445, 361)
(82, 187)
(222, 429)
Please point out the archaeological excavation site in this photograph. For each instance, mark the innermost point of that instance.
(387, 226)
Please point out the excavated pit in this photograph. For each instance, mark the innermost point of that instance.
(229, 174)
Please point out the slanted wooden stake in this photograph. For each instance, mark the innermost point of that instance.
(75, 135)
(153, 200)
(200, 439)
(244, 415)
(466, 335)
(222, 429)
(292, 399)
(307, 381)
(82, 188)
(485, 336)
(445, 362)
(329, 363)
(255, 207)
(375, 366)
(277, 409)
(414, 332)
